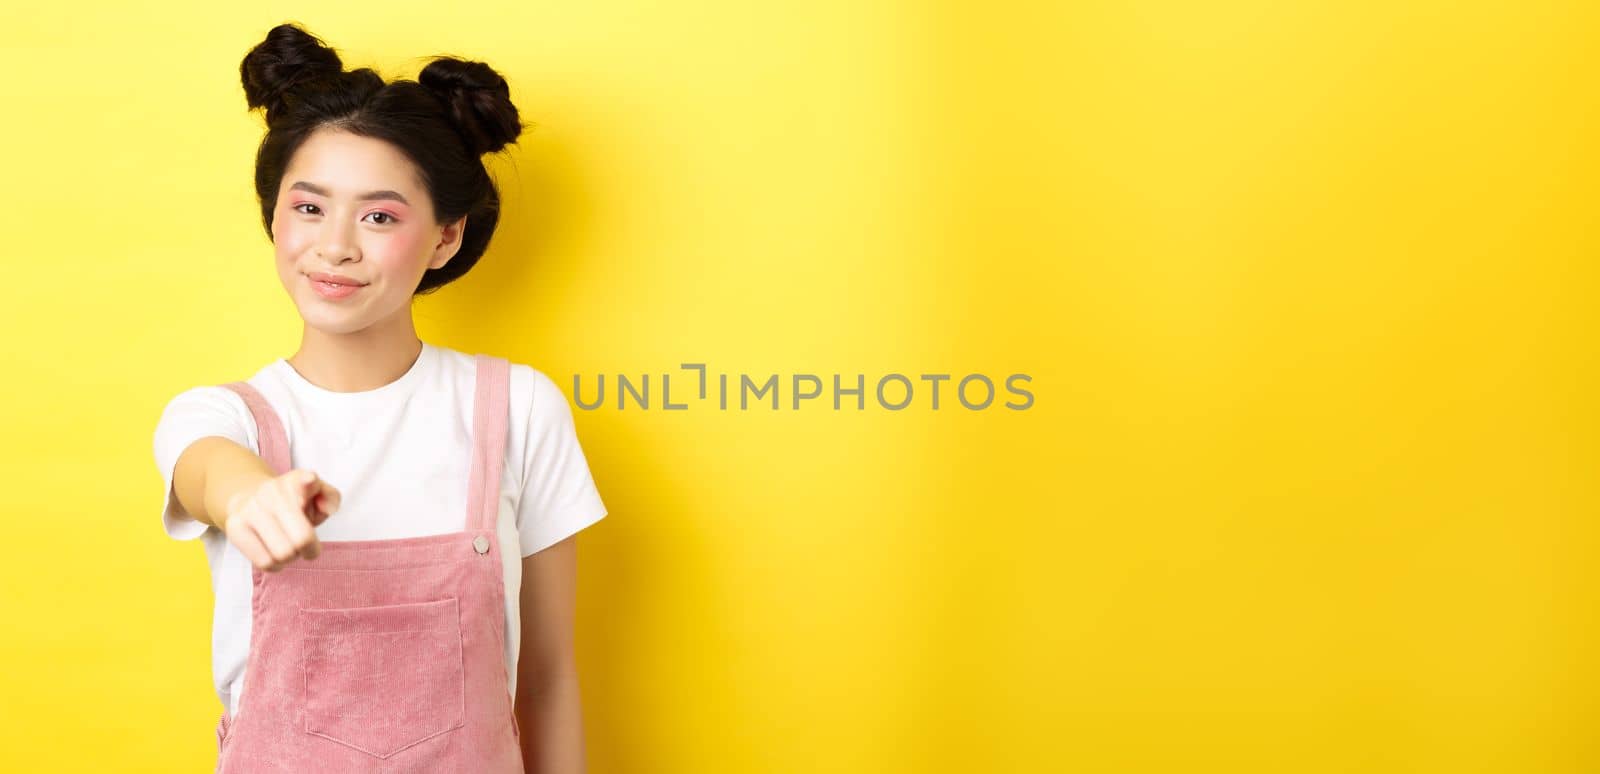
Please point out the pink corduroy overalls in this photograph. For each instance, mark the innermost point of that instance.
(383, 655)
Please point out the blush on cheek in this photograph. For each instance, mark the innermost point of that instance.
(410, 241)
(287, 233)
(290, 245)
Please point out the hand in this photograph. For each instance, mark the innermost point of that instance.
(272, 524)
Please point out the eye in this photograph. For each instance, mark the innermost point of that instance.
(297, 207)
(390, 218)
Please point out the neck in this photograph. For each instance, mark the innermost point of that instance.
(356, 362)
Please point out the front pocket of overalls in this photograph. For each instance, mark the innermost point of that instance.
(382, 679)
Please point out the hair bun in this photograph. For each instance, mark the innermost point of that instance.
(288, 57)
(477, 100)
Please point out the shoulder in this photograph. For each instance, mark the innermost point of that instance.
(202, 411)
(540, 397)
(526, 383)
(216, 404)
(536, 400)
(206, 399)
(531, 381)
(538, 406)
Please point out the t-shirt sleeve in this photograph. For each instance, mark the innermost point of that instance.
(558, 492)
(194, 414)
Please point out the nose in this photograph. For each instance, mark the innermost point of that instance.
(336, 243)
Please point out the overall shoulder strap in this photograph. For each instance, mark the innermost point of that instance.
(490, 406)
(269, 429)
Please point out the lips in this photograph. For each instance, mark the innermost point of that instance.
(341, 287)
(335, 279)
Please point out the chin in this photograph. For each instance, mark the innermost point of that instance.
(331, 320)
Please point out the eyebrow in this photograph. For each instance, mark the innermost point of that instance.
(366, 197)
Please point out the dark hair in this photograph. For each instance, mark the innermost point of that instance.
(444, 121)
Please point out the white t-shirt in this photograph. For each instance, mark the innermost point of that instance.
(399, 456)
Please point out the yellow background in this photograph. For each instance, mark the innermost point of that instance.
(1306, 291)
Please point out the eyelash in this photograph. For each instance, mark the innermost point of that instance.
(391, 221)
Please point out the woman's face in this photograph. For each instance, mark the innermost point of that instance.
(353, 207)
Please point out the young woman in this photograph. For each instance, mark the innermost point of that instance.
(389, 523)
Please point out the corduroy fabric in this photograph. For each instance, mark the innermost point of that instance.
(383, 655)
